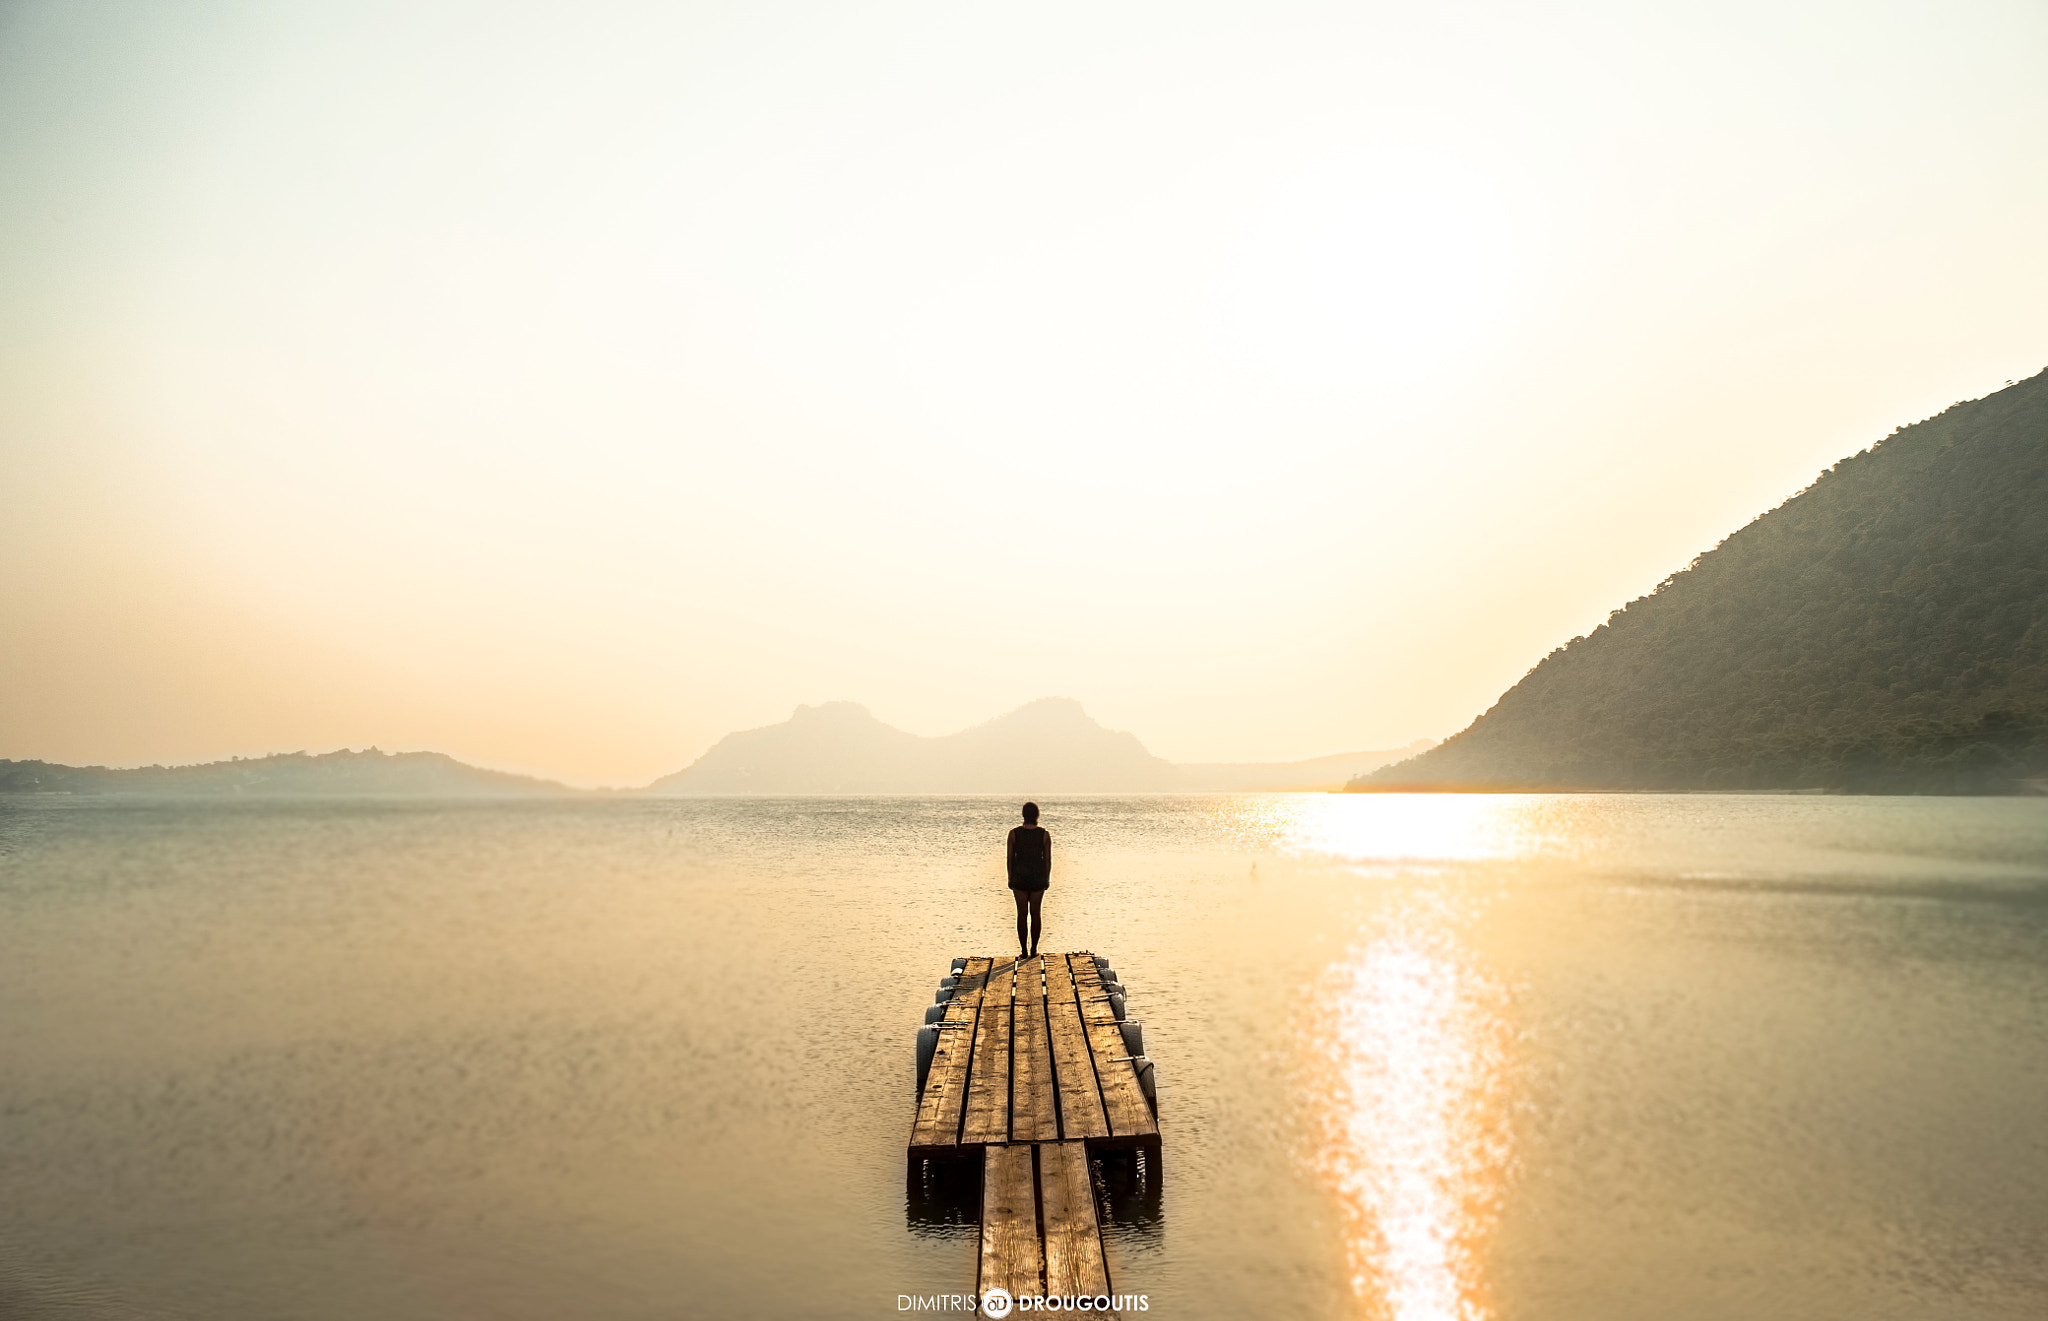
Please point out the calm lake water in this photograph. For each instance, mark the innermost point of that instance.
(1420, 1058)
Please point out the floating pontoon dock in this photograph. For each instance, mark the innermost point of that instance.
(1030, 1075)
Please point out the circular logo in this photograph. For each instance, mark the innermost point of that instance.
(996, 1303)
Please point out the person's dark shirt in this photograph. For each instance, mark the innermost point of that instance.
(1030, 858)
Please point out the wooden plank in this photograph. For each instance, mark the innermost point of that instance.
(988, 1084)
(1012, 1256)
(1123, 1102)
(1033, 1113)
(1059, 978)
(940, 1107)
(944, 1101)
(1000, 1078)
(972, 977)
(1000, 978)
(1073, 1067)
(1087, 977)
(1073, 1237)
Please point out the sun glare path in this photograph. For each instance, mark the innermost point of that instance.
(1415, 1137)
(1423, 827)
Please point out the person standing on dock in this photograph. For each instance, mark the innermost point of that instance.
(1030, 874)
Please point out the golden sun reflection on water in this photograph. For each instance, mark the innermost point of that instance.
(1436, 827)
(1416, 1052)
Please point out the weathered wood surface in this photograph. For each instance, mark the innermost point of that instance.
(988, 1083)
(1073, 1236)
(1080, 1097)
(1029, 1075)
(943, 1102)
(1040, 1234)
(1123, 1101)
(1034, 1115)
(1012, 1254)
(1029, 1052)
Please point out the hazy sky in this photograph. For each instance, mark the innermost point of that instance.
(566, 386)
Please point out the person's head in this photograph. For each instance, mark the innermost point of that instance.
(1031, 814)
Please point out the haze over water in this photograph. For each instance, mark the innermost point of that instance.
(1420, 1058)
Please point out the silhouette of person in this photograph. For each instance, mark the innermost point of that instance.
(1030, 874)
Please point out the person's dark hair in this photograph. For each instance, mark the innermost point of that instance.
(1031, 814)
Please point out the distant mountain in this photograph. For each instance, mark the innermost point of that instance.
(369, 773)
(1885, 630)
(1044, 747)
(839, 747)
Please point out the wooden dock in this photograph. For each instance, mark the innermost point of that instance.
(1039, 1234)
(1029, 1076)
(1029, 1052)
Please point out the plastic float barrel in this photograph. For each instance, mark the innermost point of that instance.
(1114, 988)
(1104, 972)
(1134, 1036)
(959, 965)
(944, 994)
(950, 979)
(934, 1013)
(1148, 1083)
(1101, 964)
(1116, 1007)
(927, 1046)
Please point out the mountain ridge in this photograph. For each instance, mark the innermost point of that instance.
(1047, 746)
(1883, 630)
(342, 773)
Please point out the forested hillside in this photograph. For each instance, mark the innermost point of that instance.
(1885, 630)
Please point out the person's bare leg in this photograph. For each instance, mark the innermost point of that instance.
(1024, 907)
(1037, 897)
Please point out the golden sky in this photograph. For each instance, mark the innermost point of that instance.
(563, 387)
